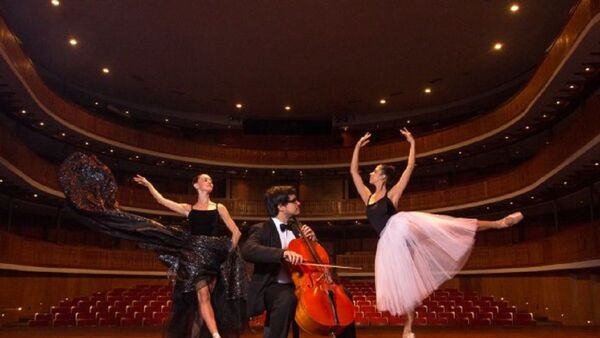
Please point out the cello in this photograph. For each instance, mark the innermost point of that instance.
(323, 307)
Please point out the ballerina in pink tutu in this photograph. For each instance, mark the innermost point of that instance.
(416, 251)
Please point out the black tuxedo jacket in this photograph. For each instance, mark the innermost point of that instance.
(263, 248)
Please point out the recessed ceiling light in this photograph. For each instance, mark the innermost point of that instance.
(42, 124)
(238, 105)
(597, 164)
(36, 196)
(73, 42)
(55, 3)
(407, 121)
(96, 103)
(572, 87)
(527, 127)
(345, 128)
(460, 152)
(127, 112)
(532, 197)
(105, 70)
(166, 120)
(544, 115)
(287, 108)
(63, 134)
(506, 137)
(565, 182)
(23, 111)
(557, 101)
(87, 143)
(137, 156)
(112, 150)
(511, 203)
(382, 101)
(514, 8)
(498, 46)
(1, 180)
(587, 69)
(427, 90)
(163, 162)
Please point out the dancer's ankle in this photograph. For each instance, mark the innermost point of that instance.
(216, 335)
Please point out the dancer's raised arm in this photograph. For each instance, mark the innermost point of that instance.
(396, 191)
(180, 208)
(362, 189)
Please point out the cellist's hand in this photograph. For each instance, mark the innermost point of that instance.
(292, 257)
(308, 232)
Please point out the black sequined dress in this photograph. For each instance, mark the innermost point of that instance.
(196, 257)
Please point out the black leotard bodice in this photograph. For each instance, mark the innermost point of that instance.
(380, 212)
(203, 222)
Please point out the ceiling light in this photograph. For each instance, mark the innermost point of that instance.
(427, 90)
(238, 106)
(1, 180)
(572, 87)
(23, 111)
(532, 197)
(498, 46)
(565, 182)
(382, 101)
(514, 8)
(345, 128)
(407, 121)
(506, 137)
(460, 152)
(587, 69)
(597, 164)
(63, 134)
(163, 162)
(557, 101)
(127, 112)
(511, 203)
(41, 124)
(527, 127)
(544, 115)
(288, 108)
(112, 150)
(137, 156)
(55, 2)
(96, 103)
(36, 196)
(105, 70)
(87, 143)
(166, 120)
(73, 42)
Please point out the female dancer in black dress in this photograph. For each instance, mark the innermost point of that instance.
(416, 251)
(200, 260)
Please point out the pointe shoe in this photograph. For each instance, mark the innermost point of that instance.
(511, 220)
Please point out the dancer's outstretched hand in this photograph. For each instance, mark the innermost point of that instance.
(141, 180)
(408, 135)
(364, 140)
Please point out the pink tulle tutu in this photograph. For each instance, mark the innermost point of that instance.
(416, 253)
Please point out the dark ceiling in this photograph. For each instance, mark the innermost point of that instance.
(327, 60)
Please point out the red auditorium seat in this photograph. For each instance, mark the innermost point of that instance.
(488, 298)
(396, 320)
(39, 323)
(493, 309)
(437, 321)
(422, 309)
(368, 309)
(363, 303)
(373, 315)
(63, 319)
(448, 315)
(524, 318)
(481, 322)
(503, 318)
(84, 319)
(420, 321)
(459, 321)
(468, 315)
(379, 321)
(361, 322)
(485, 315)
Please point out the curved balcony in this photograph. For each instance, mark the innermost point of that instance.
(112, 134)
(583, 138)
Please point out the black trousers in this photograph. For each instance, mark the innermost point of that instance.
(280, 302)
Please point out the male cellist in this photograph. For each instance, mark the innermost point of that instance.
(271, 287)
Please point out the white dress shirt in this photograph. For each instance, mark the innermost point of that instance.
(286, 237)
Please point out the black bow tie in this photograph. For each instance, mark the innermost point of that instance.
(284, 227)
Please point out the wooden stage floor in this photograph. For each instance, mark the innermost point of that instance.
(420, 332)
